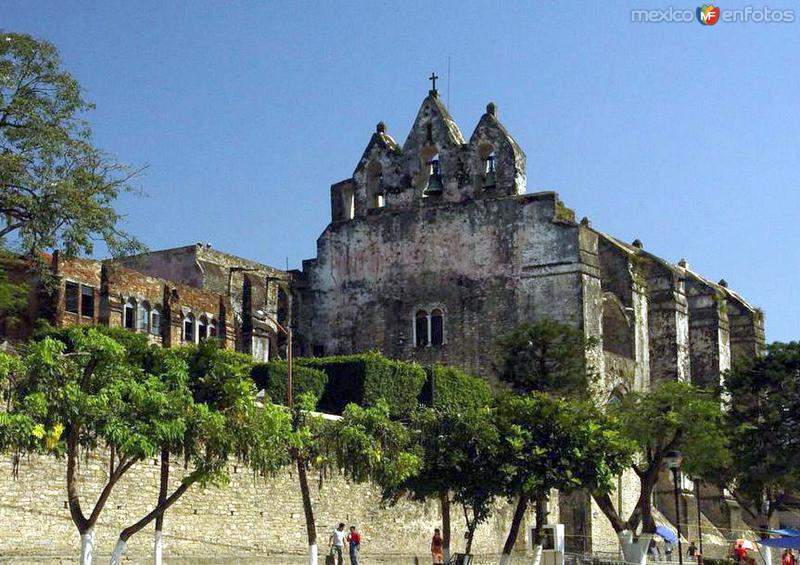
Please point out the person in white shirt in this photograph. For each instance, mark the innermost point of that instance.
(337, 543)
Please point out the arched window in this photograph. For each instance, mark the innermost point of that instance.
(202, 328)
(375, 185)
(437, 327)
(129, 314)
(212, 328)
(188, 328)
(421, 328)
(155, 321)
(142, 316)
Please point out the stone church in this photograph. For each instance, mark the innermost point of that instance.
(434, 249)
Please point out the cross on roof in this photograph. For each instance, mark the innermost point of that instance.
(433, 78)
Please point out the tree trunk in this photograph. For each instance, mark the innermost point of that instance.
(634, 549)
(158, 538)
(308, 509)
(87, 546)
(513, 532)
(444, 500)
(158, 547)
(116, 555)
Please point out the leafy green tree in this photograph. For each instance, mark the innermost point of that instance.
(545, 356)
(672, 416)
(762, 416)
(13, 297)
(551, 444)
(57, 190)
(459, 448)
(221, 420)
(367, 445)
(81, 392)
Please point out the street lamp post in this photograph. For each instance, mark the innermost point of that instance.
(673, 460)
(699, 521)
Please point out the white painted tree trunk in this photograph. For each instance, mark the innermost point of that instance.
(116, 555)
(635, 552)
(87, 546)
(158, 547)
(446, 552)
(312, 554)
(767, 554)
(537, 554)
(505, 559)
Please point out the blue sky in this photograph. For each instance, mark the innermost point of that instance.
(684, 136)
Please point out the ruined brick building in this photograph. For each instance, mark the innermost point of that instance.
(434, 248)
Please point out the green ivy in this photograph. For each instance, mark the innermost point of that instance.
(451, 388)
(366, 378)
(272, 378)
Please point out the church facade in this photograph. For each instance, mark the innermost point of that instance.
(434, 249)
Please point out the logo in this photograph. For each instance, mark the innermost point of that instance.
(708, 15)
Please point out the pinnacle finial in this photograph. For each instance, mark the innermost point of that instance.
(723, 283)
(381, 127)
(433, 79)
(491, 108)
(637, 243)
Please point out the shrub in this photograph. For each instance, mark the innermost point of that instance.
(272, 378)
(450, 387)
(366, 378)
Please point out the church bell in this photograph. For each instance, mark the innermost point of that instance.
(489, 180)
(435, 185)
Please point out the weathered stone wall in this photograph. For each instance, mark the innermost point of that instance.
(249, 518)
(487, 264)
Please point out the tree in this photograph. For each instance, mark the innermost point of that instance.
(762, 401)
(367, 445)
(672, 416)
(458, 450)
(551, 444)
(545, 356)
(221, 420)
(13, 297)
(79, 389)
(56, 189)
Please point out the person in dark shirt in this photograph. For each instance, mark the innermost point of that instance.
(354, 539)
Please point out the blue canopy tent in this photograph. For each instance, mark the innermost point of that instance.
(791, 542)
(786, 532)
(667, 534)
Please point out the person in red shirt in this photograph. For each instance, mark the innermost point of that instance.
(740, 552)
(354, 538)
(787, 558)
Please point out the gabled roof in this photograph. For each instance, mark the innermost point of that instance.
(432, 106)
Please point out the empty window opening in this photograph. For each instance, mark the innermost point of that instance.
(87, 301)
(188, 329)
(421, 328)
(155, 322)
(349, 203)
(380, 201)
(260, 348)
(212, 329)
(437, 327)
(202, 328)
(142, 316)
(129, 315)
(71, 297)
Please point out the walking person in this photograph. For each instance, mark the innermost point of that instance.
(787, 558)
(337, 544)
(692, 551)
(654, 551)
(667, 550)
(354, 539)
(437, 548)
